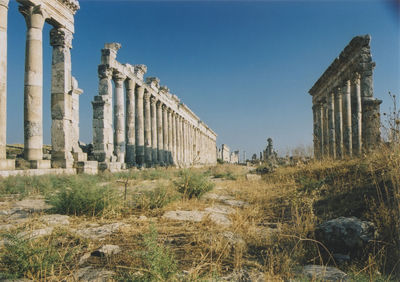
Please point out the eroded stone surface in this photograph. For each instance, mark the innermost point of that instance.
(324, 273)
(100, 232)
(92, 274)
(106, 251)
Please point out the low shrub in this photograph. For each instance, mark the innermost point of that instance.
(154, 199)
(193, 184)
(83, 197)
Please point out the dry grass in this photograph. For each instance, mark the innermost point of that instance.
(272, 234)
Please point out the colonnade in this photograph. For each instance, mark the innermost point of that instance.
(156, 129)
(64, 90)
(346, 116)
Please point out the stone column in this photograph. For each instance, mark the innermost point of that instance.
(33, 90)
(339, 122)
(357, 133)
(316, 131)
(170, 159)
(4, 163)
(331, 124)
(130, 151)
(160, 139)
(3, 78)
(61, 98)
(173, 121)
(139, 126)
(325, 130)
(147, 130)
(347, 130)
(119, 117)
(154, 140)
(179, 139)
(103, 144)
(76, 149)
(165, 134)
(177, 144)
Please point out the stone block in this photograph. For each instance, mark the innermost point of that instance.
(80, 157)
(7, 164)
(88, 167)
(40, 164)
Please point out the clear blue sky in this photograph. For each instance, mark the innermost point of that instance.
(245, 68)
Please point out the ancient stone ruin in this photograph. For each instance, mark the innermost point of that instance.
(64, 88)
(346, 115)
(157, 128)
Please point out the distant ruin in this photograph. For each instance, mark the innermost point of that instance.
(346, 115)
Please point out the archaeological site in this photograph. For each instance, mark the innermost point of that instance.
(108, 173)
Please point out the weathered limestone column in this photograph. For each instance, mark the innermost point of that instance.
(147, 130)
(4, 163)
(173, 122)
(154, 140)
(170, 159)
(339, 122)
(130, 152)
(358, 116)
(316, 134)
(119, 117)
(179, 136)
(331, 124)
(347, 130)
(140, 160)
(325, 130)
(160, 139)
(33, 90)
(165, 134)
(61, 98)
(103, 144)
(176, 121)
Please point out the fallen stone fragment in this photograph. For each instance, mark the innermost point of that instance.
(106, 251)
(253, 177)
(324, 273)
(34, 234)
(55, 219)
(195, 216)
(220, 209)
(93, 274)
(100, 232)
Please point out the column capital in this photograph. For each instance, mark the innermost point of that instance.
(153, 100)
(104, 72)
(356, 78)
(118, 77)
(164, 107)
(4, 3)
(61, 37)
(34, 16)
(146, 96)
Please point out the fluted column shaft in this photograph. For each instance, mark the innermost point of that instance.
(147, 130)
(119, 117)
(130, 152)
(160, 139)
(339, 122)
(331, 124)
(347, 131)
(173, 122)
(154, 140)
(3, 78)
(165, 134)
(170, 159)
(139, 126)
(33, 90)
(316, 131)
(358, 115)
(325, 145)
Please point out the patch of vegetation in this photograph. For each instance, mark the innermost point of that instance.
(41, 258)
(155, 198)
(193, 184)
(82, 196)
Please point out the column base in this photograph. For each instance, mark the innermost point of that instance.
(111, 166)
(40, 164)
(87, 167)
(7, 164)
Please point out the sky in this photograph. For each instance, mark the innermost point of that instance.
(244, 67)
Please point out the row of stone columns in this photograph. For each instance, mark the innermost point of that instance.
(338, 121)
(149, 133)
(64, 131)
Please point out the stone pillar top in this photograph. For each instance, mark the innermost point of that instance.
(4, 3)
(104, 71)
(146, 95)
(356, 78)
(140, 70)
(61, 37)
(153, 81)
(118, 77)
(164, 107)
(74, 87)
(153, 100)
(113, 46)
(34, 16)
